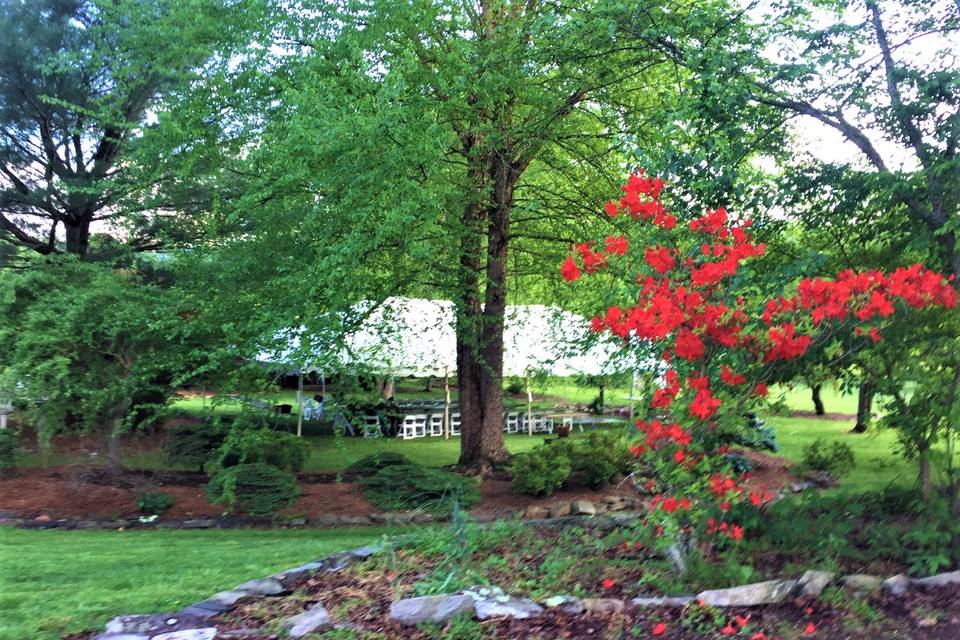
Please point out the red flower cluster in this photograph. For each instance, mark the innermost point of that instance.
(785, 344)
(684, 306)
(656, 434)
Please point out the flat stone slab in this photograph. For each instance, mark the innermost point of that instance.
(262, 587)
(939, 580)
(519, 608)
(606, 606)
(897, 585)
(316, 618)
(439, 609)
(749, 595)
(208, 633)
(861, 582)
(663, 601)
(811, 583)
(154, 623)
(568, 604)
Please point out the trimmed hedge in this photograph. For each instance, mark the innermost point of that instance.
(370, 465)
(9, 450)
(258, 489)
(410, 486)
(154, 503)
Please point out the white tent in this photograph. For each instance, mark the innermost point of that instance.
(415, 337)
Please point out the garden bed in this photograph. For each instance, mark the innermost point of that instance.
(598, 564)
(80, 493)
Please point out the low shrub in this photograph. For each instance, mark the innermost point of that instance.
(602, 456)
(9, 450)
(514, 386)
(836, 459)
(191, 445)
(257, 488)
(154, 503)
(414, 487)
(370, 465)
(257, 445)
(543, 470)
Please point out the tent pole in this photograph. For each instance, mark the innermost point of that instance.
(529, 407)
(446, 405)
(300, 405)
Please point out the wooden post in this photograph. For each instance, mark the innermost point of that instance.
(446, 405)
(300, 405)
(529, 408)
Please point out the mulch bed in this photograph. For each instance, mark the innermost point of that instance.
(362, 600)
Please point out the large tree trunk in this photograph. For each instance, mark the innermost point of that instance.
(864, 407)
(480, 331)
(817, 400)
(78, 235)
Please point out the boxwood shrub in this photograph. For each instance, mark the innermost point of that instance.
(373, 463)
(408, 486)
(258, 489)
(258, 445)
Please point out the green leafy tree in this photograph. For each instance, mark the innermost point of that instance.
(81, 342)
(78, 82)
(439, 149)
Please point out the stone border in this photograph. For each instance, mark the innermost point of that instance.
(534, 512)
(192, 622)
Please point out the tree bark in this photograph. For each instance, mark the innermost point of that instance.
(864, 407)
(817, 400)
(480, 329)
(78, 235)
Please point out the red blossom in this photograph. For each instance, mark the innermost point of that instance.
(658, 629)
(569, 270)
(616, 245)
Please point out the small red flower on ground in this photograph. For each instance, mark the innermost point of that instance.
(658, 629)
(728, 631)
(811, 629)
(608, 583)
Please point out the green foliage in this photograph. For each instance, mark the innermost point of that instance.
(415, 487)
(370, 465)
(600, 456)
(258, 489)
(80, 342)
(258, 445)
(9, 450)
(836, 459)
(514, 386)
(192, 445)
(154, 503)
(542, 471)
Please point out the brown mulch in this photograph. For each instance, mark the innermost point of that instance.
(85, 492)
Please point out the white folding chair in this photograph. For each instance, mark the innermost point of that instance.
(436, 424)
(454, 424)
(511, 422)
(414, 426)
(548, 424)
(371, 426)
(567, 421)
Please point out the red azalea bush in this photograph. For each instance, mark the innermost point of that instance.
(718, 345)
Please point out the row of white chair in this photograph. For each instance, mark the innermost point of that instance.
(420, 425)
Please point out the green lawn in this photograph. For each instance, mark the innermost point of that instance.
(56, 582)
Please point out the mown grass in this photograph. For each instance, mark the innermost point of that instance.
(58, 582)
